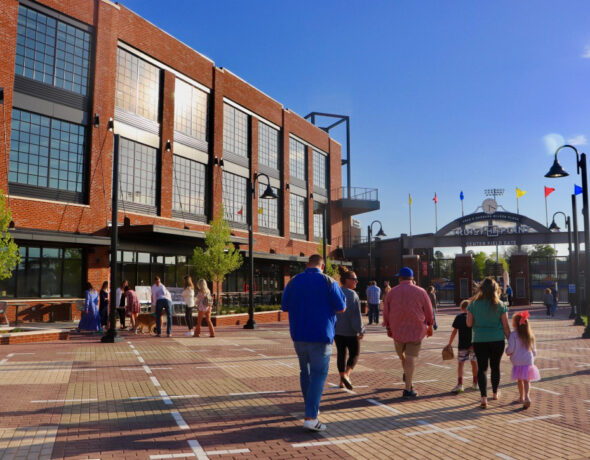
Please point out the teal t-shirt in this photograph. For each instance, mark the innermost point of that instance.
(487, 323)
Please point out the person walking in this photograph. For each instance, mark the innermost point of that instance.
(555, 295)
(465, 351)
(432, 295)
(349, 328)
(132, 307)
(373, 299)
(386, 289)
(509, 293)
(488, 318)
(161, 299)
(548, 301)
(204, 300)
(103, 304)
(408, 317)
(188, 294)
(90, 320)
(522, 351)
(120, 296)
(312, 300)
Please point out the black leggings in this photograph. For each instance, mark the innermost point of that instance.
(354, 347)
(121, 316)
(492, 352)
(188, 315)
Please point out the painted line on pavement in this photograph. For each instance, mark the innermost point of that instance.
(530, 419)
(337, 387)
(147, 369)
(580, 348)
(155, 381)
(179, 420)
(504, 456)
(582, 364)
(37, 401)
(145, 398)
(546, 391)
(83, 370)
(197, 449)
(327, 443)
(141, 360)
(447, 431)
(257, 393)
(549, 369)
(385, 406)
(439, 365)
(222, 366)
(131, 368)
(165, 397)
(207, 452)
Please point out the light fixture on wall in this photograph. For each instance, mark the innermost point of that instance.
(221, 163)
(311, 196)
(2, 96)
(96, 120)
(111, 125)
(287, 186)
(168, 146)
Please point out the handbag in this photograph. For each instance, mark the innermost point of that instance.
(447, 353)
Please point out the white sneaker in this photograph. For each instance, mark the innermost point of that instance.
(314, 425)
(458, 389)
(475, 386)
(189, 334)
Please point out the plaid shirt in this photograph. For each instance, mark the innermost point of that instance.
(373, 295)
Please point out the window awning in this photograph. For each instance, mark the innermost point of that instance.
(44, 236)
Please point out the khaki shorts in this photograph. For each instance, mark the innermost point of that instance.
(410, 348)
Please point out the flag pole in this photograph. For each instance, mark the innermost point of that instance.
(546, 213)
(410, 215)
(517, 208)
(462, 209)
(436, 216)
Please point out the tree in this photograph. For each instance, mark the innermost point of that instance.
(9, 255)
(219, 257)
(479, 265)
(438, 254)
(331, 269)
(542, 250)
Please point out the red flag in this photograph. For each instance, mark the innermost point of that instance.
(549, 191)
(240, 211)
(435, 199)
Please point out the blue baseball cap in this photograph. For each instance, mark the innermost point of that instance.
(406, 272)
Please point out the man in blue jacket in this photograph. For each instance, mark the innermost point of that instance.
(312, 300)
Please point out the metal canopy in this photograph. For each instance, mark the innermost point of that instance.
(43, 236)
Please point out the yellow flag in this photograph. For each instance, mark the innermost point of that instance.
(520, 193)
(410, 200)
(260, 211)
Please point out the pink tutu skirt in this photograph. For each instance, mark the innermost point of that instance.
(530, 373)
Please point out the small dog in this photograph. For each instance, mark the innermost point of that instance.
(146, 322)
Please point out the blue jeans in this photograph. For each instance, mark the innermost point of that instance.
(162, 304)
(374, 313)
(314, 361)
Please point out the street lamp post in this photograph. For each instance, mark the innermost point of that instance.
(555, 227)
(268, 194)
(578, 321)
(557, 171)
(380, 233)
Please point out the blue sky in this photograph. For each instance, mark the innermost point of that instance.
(443, 96)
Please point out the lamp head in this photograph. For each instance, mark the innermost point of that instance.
(556, 170)
(380, 233)
(269, 194)
(554, 227)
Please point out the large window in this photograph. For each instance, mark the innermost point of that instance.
(51, 51)
(268, 210)
(268, 146)
(190, 110)
(140, 268)
(138, 85)
(320, 170)
(46, 152)
(318, 226)
(234, 198)
(235, 131)
(137, 173)
(189, 186)
(297, 211)
(45, 272)
(297, 163)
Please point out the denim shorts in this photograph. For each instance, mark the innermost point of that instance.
(464, 355)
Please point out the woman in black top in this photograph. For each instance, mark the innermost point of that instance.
(103, 304)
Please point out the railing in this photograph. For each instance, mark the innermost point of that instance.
(356, 193)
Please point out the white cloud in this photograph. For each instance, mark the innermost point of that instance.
(580, 139)
(552, 141)
(586, 53)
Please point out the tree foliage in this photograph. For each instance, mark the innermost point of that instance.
(542, 250)
(331, 269)
(219, 257)
(485, 265)
(9, 255)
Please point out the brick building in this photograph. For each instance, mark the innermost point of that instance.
(76, 72)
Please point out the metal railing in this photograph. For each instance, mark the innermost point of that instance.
(356, 193)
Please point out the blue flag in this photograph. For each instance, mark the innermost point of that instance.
(461, 195)
(577, 189)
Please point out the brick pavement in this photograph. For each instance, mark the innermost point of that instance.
(237, 396)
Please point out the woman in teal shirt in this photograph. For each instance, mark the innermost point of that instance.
(488, 317)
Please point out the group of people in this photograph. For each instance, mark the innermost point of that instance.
(321, 312)
(95, 314)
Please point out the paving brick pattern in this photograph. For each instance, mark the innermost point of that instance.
(237, 396)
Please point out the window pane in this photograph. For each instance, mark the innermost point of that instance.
(51, 272)
(268, 146)
(234, 198)
(235, 131)
(268, 209)
(138, 85)
(318, 226)
(49, 44)
(320, 163)
(297, 162)
(29, 158)
(72, 272)
(190, 110)
(33, 273)
(137, 176)
(189, 186)
(297, 214)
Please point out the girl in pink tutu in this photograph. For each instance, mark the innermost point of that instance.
(522, 352)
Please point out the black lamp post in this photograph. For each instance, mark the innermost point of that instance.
(557, 171)
(268, 194)
(555, 227)
(380, 233)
